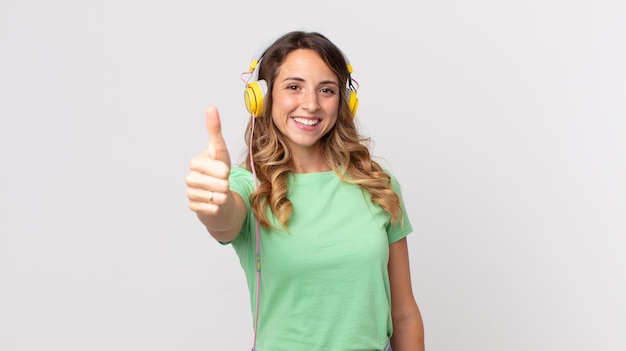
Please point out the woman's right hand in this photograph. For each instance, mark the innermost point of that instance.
(207, 181)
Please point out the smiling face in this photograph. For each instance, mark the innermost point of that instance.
(305, 97)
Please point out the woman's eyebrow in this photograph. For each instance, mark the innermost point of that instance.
(298, 79)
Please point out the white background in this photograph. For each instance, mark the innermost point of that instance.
(505, 122)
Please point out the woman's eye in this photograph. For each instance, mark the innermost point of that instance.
(292, 87)
(328, 91)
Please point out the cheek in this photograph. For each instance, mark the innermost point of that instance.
(331, 106)
(281, 101)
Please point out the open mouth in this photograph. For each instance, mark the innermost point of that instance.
(309, 122)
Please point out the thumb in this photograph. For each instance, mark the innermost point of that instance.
(217, 146)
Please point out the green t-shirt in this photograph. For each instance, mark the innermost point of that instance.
(325, 283)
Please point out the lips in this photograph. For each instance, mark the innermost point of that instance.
(309, 122)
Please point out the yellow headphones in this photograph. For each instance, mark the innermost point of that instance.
(254, 95)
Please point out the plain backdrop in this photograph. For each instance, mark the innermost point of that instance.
(505, 122)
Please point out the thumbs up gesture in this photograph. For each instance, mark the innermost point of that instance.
(207, 181)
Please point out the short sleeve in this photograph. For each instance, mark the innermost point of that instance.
(402, 228)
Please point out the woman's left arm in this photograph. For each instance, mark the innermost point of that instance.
(408, 328)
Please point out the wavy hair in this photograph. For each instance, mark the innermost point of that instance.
(343, 148)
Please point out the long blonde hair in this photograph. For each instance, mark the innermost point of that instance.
(343, 149)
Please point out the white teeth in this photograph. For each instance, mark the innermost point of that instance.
(306, 121)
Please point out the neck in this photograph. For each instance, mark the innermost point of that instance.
(309, 163)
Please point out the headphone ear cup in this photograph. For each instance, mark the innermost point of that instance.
(254, 97)
(353, 102)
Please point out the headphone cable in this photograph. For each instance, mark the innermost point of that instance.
(257, 250)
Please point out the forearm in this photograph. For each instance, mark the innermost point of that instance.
(408, 333)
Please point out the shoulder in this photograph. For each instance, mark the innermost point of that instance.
(395, 184)
(239, 172)
(241, 180)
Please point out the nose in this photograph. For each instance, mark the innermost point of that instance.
(310, 101)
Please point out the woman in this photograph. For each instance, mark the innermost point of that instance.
(332, 225)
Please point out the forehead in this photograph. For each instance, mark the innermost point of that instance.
(305, 62)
